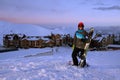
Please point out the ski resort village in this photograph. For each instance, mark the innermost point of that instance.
(44, 53)
(100, 41)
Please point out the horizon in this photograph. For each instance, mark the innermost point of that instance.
(58, 24)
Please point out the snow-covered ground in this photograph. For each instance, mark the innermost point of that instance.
(52, 63)
(104, 65)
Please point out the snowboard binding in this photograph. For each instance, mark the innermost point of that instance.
(83, 64)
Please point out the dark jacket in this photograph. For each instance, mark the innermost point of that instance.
(80, 42)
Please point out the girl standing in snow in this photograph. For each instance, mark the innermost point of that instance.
(79, 44)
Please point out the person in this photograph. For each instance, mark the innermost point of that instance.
(79, 44)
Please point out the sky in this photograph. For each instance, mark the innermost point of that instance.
(91, 12)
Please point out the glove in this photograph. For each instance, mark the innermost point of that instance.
(73, 46)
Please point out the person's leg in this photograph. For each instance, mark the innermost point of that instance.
(83, 58)
(74, 56)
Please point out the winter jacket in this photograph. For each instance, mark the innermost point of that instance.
(80, 39)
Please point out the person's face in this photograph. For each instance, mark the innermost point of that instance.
(80, 28)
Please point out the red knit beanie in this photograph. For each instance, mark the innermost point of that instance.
(81, 24)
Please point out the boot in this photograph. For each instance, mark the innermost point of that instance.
(82, 63)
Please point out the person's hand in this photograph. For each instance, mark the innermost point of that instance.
(73, 46)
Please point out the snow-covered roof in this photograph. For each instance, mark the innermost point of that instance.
(34, 38)
(20, 35)
(44, 38)
(113, 45)
(31, 38)
(99, 39)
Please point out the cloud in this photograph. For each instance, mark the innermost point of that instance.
(116, 7)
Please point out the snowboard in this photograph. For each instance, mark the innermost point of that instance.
(82, 62)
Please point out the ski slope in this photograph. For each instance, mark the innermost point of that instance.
(104, 65)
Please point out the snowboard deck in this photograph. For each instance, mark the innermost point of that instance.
(82, 62)
(88, 42)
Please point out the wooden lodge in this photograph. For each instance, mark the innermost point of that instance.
(23, 41)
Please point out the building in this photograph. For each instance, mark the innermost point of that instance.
(23, 41)
(102, 40)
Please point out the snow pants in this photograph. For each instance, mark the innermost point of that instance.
(78, 53)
